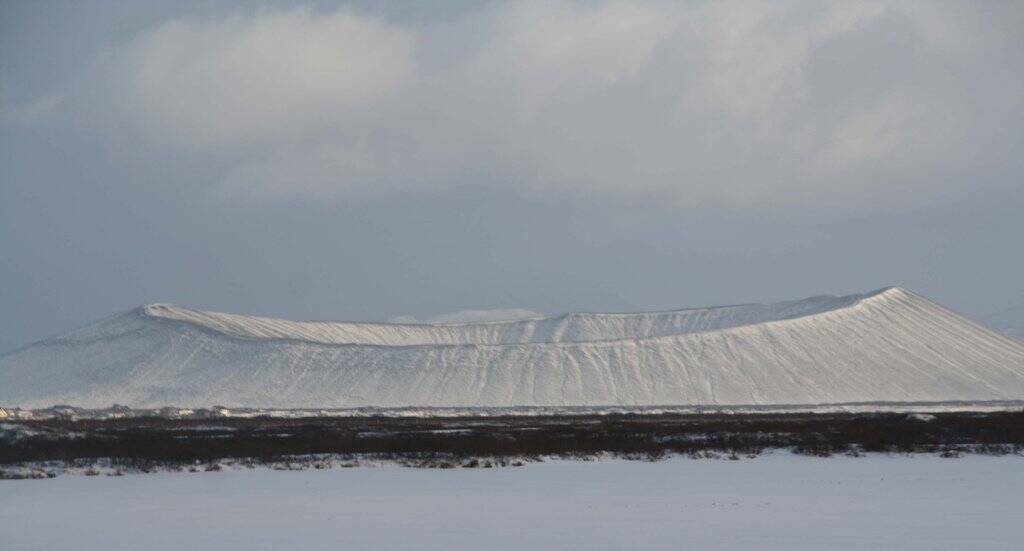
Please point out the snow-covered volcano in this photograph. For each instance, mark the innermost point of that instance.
(886, 346)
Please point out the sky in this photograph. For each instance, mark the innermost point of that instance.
(367, 161)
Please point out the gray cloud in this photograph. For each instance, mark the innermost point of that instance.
(312, 161)
(784, 105)
(30, 111)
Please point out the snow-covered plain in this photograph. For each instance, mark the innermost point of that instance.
(887, 346)
(778, 501)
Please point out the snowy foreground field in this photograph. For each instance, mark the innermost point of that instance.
(775, 501)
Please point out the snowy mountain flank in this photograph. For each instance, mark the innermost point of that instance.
(887, 346)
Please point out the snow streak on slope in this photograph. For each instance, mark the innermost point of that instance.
(889, 346)
(576, 327)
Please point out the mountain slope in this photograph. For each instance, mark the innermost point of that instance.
(888, 346)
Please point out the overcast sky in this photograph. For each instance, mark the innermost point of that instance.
(373, 160)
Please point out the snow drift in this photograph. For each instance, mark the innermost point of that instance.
(886, 346)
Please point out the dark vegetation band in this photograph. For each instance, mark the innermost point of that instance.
(181, 441)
